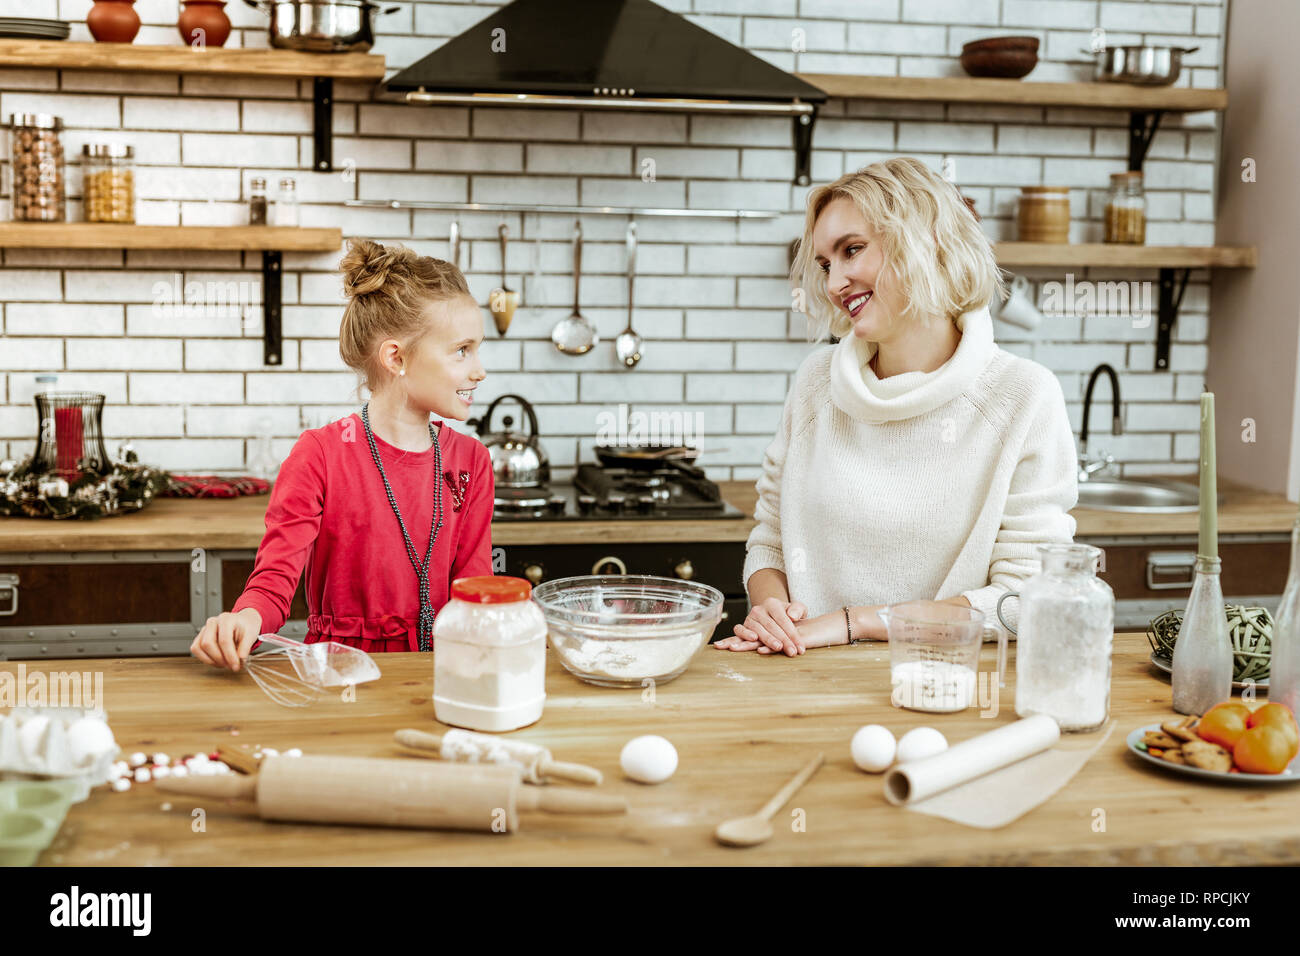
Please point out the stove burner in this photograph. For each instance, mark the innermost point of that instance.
(520, 499)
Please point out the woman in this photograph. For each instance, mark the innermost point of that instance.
(915, 459)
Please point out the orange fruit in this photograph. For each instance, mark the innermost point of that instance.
(1262, 749)
(1223, 724)
(1279, 717)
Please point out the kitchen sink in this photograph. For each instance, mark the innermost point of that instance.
(1148, 496)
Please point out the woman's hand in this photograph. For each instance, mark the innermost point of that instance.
(227, 638)
(769, 626)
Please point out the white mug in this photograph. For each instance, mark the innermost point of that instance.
(1019, 309)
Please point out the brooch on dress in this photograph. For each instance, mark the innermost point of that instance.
(459, 485)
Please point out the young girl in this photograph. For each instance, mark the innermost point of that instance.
(915, 459)
(384, 508)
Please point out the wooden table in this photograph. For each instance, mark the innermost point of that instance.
(742, 725)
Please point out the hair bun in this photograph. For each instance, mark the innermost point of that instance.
(365, 267)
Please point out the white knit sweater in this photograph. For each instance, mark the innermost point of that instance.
(924, 485)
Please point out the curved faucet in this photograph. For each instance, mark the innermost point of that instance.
(1088, 466)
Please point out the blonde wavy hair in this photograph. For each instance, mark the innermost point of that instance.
(933, 246)
(389, 290)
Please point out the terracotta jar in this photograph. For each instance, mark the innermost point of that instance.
(205, 15)
(113, 21)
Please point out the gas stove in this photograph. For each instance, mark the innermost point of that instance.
(603, 494)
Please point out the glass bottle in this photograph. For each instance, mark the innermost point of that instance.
(1284, 667)
(1203, 652)
(286, 204)
(108, 182)
(1064, 638)
(261, 460)
(257, 201)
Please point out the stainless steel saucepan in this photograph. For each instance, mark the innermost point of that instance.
(321, 26)
(1139, 64)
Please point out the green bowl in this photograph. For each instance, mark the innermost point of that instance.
(23, 835)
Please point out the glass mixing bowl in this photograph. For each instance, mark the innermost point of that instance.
(622, 630)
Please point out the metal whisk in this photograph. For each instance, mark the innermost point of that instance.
(312, 669)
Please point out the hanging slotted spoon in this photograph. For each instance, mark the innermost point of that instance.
(575, 335)
(628, 344)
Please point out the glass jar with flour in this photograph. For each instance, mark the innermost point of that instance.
(1063, 645)
(489, 655)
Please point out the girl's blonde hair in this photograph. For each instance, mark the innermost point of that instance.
(389, 291)
(933, 246)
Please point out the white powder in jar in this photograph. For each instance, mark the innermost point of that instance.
(938, 686)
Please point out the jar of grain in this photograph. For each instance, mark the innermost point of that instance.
(38, 190)
(1044, 214)
(108, 182)
(1126, 209)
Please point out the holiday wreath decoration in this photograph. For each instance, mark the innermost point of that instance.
(70, 474)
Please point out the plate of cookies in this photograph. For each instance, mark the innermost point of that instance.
(1176, 745)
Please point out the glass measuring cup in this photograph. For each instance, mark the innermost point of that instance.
(934, 653)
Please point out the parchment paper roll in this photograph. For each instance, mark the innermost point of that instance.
(910, 782)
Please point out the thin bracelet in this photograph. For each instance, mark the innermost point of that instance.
(848, 624)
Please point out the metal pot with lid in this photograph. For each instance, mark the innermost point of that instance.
(518, 461)
(322, 26)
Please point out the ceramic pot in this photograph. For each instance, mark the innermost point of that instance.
(207, 16)
(113, 21)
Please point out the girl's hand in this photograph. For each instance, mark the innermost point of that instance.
(824, 630)
(770, 626)
(227, 638)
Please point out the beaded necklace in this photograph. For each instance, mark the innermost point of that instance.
(425, 628)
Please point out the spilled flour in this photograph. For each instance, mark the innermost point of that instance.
(728, 674)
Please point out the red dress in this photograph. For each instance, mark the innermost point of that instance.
(329, 512)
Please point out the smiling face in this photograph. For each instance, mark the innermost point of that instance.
(443, 368)
(851, 257)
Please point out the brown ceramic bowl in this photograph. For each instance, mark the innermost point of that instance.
(1005, 57)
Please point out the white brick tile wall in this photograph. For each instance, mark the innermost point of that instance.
(711, 295)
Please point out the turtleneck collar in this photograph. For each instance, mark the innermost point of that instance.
(858, 393)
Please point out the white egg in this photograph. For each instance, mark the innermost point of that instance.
(648, 759)
(89, 739)
(919, 743)
(873, 748)
(32, 735)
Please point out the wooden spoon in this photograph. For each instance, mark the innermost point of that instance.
(756, 829)
(503, 302)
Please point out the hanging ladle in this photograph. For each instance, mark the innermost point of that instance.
(502, 302)
(575, 335)
(628, 344)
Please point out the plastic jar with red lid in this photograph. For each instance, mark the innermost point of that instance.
(489, 655)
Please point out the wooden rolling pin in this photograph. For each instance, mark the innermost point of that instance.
(392, 793)
(534, 760)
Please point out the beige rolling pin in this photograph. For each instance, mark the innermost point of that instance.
(392, 793)
(466, 746)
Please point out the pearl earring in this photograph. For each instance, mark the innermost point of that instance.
(402, 372)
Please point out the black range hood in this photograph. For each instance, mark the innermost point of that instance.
(621, 54)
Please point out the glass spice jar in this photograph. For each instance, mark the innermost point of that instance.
(1044, 214)
(257, 201)
(1126, 209)
(286, 204)
(489, 655)
(38, 168)
(108, 182)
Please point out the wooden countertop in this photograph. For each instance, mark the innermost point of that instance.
(742, 725)
(237, 523)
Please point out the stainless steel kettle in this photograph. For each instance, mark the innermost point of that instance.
(518, 461)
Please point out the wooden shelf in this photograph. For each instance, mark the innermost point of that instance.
(119, 57)
(106, 235)
(959, 89)
(1082, 254)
